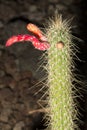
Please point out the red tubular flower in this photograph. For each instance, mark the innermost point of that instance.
(40, 45)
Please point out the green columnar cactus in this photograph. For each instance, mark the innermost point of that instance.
(60, 77)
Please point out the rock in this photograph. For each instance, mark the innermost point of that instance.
(2, 85)
(17, 76)
(10, 66)
(5, 115)
(19, 126)
(7, 80)
(67, 2)
(61, 7)
(5, 126)
(6, 12)
(53, 1)
(26, 74)
(6, 93)
(33, 8)
(2, 73)
(1, 24)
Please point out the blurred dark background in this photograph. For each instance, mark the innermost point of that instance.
(20, 89)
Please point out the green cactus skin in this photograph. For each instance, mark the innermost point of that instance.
(60, 64)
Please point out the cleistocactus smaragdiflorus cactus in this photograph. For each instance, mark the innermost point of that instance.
(60, 51)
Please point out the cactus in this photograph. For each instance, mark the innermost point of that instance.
(59, 56)
(60, 65)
